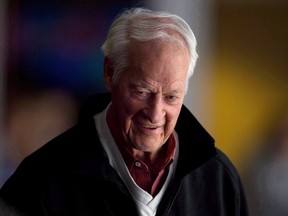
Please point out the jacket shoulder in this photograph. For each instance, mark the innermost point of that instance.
(225, 163)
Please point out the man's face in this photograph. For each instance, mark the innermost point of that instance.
(147, 99)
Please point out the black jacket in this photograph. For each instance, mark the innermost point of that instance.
(71, 175)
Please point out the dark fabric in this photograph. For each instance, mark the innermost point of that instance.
(71, 175)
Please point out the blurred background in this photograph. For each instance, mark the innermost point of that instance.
(50, 61)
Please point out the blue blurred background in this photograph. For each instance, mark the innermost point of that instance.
(55, 44)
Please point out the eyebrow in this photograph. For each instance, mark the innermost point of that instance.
(177, 91)
(154, 89)
(143, 85)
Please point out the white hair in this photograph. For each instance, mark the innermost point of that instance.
(141, 24)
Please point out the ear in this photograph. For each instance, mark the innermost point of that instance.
(108, 73)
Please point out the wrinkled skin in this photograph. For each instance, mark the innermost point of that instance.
(147, 99)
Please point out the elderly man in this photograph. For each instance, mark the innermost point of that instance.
(135, 150)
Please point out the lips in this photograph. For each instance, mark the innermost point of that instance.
(149, 129)
(151, 126)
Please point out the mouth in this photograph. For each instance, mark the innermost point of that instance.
(151, 127)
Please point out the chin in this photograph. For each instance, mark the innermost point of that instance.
(146, 143)
(148, 147)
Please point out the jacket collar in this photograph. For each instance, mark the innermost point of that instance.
(196, 146)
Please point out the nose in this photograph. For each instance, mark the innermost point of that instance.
(155, 109)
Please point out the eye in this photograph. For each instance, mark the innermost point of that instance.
(142, 92)
(172, 99)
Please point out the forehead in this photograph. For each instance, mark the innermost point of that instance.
(158, 63)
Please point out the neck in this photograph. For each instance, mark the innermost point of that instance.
(148, 158)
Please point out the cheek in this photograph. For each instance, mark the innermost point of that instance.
(169, 127)
(128, 107)
(171, 120)
(129, 110)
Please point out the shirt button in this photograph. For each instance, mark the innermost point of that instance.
(138, 164)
